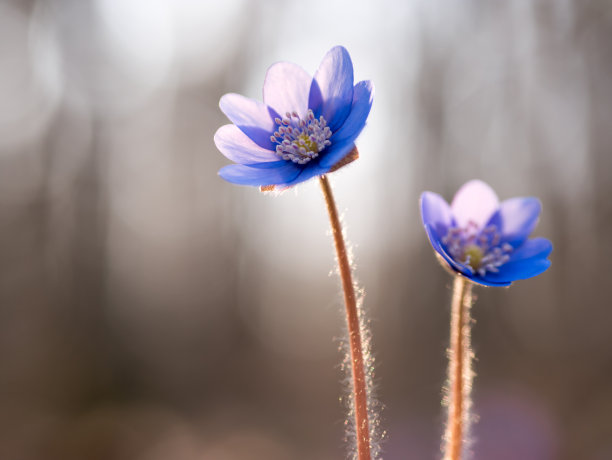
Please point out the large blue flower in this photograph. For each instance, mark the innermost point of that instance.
(483, 239)
(305, 127)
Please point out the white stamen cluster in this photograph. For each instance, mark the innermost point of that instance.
(478, 250)
(301, 139)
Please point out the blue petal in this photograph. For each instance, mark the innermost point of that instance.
(516, 219)
(308, 171)
(254, 119)
(475, 201)
(343, 140)
(311, 170)
(239, 148)
(267, 164)
(285, 171)
(355, 122)
(527, 261)
(334, 153)
(518, 271)
(331, 93)
(488, 282)
(436, 213)
(435, 240)
(286, 88)
(533, 248)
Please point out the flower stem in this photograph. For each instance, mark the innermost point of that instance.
(460, 373)
(360, 396)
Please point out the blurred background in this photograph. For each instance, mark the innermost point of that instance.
(149, 310)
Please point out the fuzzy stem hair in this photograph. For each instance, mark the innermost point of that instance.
(460, 374)
(355, 343)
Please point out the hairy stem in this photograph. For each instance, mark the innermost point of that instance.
(459, 370)
(360, 396)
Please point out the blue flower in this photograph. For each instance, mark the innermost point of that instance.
(483, 239)
(305, 127)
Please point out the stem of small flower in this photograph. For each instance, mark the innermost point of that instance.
(360, 395)
(460, 373)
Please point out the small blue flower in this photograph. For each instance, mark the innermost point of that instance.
(483, 239)
(305, 127)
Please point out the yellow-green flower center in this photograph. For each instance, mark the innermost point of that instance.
(479, 250)
(300, 140)
(305, 141)
(473, 254)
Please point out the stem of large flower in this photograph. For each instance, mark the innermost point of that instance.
(360, 395)
(460, 373)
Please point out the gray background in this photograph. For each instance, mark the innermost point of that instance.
(149, 310)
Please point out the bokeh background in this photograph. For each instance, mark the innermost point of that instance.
(149, 310)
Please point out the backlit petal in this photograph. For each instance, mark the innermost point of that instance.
(254, 118)
(331, 93)
(436, 213)
(356, 120)
(516, 219)
(475, 201)
(286, 88)
(239, 148)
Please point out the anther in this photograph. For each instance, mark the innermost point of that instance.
(301, 139)
(478, 250)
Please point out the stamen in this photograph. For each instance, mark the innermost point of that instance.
(301, 139)
(478, 250)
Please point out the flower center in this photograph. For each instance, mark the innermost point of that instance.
(300, 139)
(480, 251)
(474, 254)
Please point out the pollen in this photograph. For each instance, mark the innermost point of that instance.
(300, 140)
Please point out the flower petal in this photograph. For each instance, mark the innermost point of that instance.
(311, 170)
(343, 140)
(356, 120)
(435, 240)
(239, 148)
(254, 118)
(488, 282)
(526, 262)
(286, 88)
(284, 172)
(436, 213)
(518, 271)
(516, 219)
(335, 153)
(331, 93)
(475, 201)
(532, 248)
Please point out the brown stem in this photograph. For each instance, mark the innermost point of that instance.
(459, 370)
(360, 396)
